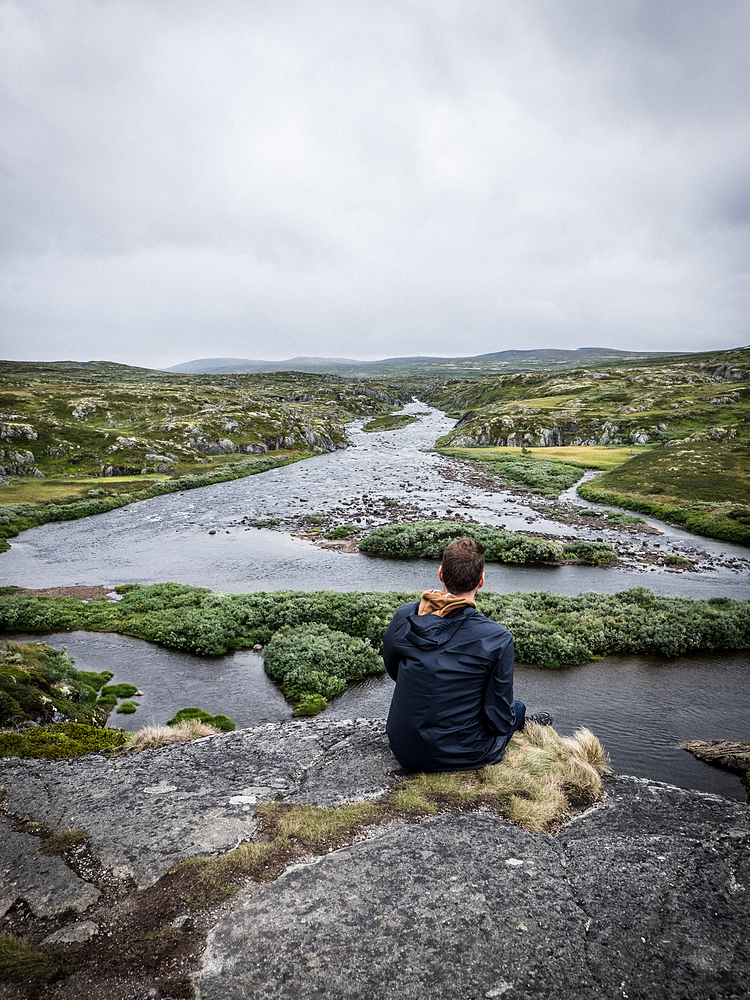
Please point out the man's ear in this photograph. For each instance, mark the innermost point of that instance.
(481, 582)
(440, 574)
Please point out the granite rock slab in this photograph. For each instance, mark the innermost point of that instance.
(146, 812)
(644, 896)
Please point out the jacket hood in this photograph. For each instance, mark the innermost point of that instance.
(429, 631)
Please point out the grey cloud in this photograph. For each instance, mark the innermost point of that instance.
(272, 179)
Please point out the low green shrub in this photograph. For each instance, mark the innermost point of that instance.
(595, 553)
(315, 517)
(37, 681)
(66, 739)
(427, 539)
(309, 704)
(549, 629)
(675, 560)
(118, 690)
(222, 722)
(127, 707)
(543, 476)
(313, 663)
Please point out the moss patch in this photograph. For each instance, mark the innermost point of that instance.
(67, 739)
(221, 722)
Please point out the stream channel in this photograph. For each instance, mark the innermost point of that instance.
(642, 708)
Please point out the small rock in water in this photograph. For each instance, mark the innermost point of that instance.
(82, 930)
(212, 531)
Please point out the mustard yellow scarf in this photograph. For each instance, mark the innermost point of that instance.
(435, 602)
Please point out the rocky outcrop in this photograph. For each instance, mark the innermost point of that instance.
(14, 430)
(19, 463)
(723, 753)
(645, 895)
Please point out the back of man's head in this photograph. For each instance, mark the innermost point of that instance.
(463, 565)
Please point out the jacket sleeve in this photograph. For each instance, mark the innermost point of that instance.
(498, 699)
(391, 655)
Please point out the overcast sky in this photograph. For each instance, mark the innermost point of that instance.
(372, 178)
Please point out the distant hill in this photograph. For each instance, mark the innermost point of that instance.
(497, 362)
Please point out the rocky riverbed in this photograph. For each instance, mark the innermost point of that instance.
(206, 536)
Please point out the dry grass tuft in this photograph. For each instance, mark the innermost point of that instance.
(313, 826)
(584, 744)
(162, 736)
(542, 780)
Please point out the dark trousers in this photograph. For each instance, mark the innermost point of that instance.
(502, 741)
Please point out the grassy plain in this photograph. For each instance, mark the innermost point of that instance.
(582, 456)
(672, 435)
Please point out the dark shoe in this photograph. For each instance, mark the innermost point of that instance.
(541, 719)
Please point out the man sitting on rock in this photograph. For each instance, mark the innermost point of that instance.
(453, 706)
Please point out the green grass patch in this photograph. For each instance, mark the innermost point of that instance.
(127, 707)
(343, 531)
(702, 486)
(21, 962)
(221, 722)
(65, 739)
(62, 489)
(119, 690)
(580, 456)
(389, 422)
(315, 518)
(60, 843)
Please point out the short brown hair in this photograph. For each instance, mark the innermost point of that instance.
(463, 565)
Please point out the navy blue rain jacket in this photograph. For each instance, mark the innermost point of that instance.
(454, 689)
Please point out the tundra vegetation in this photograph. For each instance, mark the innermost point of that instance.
(427, 539)
(684, 421)
(50, 709)
(81, 439)
(311, 635)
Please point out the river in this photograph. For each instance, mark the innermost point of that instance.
(167, 538)
(642, 708)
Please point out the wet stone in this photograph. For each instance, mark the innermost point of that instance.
(45, 883)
